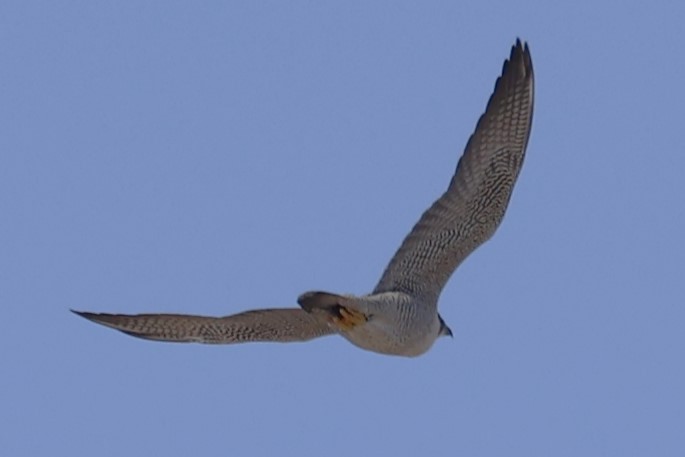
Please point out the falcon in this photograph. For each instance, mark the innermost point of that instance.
(400, 317)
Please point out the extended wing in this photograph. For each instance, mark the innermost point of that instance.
(473, 206)
(277, 325)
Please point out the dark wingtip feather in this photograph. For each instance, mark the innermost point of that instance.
(113, 321)
(99, 318)
(520, 58)
(520, 54)
(84, 314)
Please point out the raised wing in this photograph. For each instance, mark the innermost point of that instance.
(277, 325)
(468, 213)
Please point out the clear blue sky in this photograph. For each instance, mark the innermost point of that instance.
(211, 157)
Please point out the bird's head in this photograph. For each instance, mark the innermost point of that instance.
(444, 329)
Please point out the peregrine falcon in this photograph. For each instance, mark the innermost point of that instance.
(400, 317)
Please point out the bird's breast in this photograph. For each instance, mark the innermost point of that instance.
(408, 336)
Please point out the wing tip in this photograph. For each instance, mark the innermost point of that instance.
(83, 314)
(519, 57)
(108, 320)
(114, 321)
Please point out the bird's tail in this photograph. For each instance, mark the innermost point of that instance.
(324, 301)
(343, 312)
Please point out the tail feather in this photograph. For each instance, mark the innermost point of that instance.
(321, 300)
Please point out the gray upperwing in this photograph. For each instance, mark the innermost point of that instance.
(277, 325)
(468, 213)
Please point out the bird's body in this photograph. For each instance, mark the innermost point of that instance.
(393, 323)
(400, 317)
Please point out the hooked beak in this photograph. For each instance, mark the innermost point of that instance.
(444, 329)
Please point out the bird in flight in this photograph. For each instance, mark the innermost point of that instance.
(400, 317)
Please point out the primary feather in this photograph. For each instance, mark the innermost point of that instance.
(473, 206)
